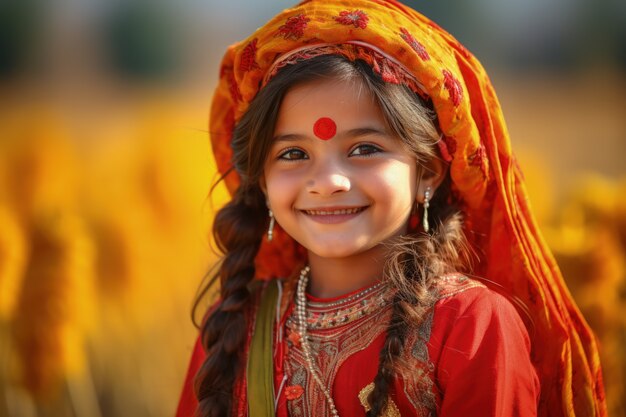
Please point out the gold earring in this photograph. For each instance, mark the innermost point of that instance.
(426, 205)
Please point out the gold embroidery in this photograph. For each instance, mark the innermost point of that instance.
(455, 283)
(334, 343)
(418, 382)
(391, 410)
(330, 348)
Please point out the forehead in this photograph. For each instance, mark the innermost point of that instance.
(349, 104)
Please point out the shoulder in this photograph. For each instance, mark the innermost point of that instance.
(449, 285)
(468, 310)
(479, 339)
(460, 297)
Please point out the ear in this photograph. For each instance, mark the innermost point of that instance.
(263, 185)
(430, 175)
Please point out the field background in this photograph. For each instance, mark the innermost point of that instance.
(105, 171)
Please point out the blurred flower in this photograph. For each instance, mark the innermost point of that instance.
(149, 218)
(55, 304)
(12, 257)
(49, 296)
(40, 162)
(589, 247)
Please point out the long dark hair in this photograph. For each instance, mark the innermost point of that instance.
(416, 259)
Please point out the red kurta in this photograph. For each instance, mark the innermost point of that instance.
(474, 348)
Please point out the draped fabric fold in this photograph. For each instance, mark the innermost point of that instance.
(485, 174)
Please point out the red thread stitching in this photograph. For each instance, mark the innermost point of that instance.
(358, 18)
(248, 56)
(414, 44)
(234, 88)
(479, 158)
(294, 27)
(453, 86)
(390, 71)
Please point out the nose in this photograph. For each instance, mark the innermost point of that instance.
(328, 179)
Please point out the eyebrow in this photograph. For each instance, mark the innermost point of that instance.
(359, 131)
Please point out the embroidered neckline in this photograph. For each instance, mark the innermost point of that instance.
(339, 311)
(333, 342)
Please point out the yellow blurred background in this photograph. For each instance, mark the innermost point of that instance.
(105, 171)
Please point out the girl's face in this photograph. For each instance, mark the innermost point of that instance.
(335, 178)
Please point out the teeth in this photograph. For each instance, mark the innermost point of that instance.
(332, 212)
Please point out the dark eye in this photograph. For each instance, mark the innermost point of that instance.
(365, 149)
(293, 154)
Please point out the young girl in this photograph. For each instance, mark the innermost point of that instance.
(369, 163)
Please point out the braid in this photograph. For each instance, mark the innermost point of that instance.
(415, 261)
(390, 352)
(238, 230)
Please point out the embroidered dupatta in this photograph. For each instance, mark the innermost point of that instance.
(485, 175)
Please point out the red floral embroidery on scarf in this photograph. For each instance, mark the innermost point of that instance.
(414, 44)
(293, 392)
(479, 158)
(294, 27)
(453, 86)
(358, 18)
(248, 57)
(234, 88)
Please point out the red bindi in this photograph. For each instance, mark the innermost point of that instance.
(325, 128)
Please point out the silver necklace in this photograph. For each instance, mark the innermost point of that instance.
(349, 299)
(301, 314)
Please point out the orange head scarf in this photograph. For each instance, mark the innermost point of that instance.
(404, 46)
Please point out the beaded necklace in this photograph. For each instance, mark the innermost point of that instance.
(301, 316)
(301, 313)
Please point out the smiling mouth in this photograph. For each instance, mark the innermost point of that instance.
(334, 212)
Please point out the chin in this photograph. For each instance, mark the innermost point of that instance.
(326, 249)
(335, 249)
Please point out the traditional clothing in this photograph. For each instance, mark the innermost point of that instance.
(472, 345)
(405, 47)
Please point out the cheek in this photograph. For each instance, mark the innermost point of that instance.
(395, 183)
(282, 189)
